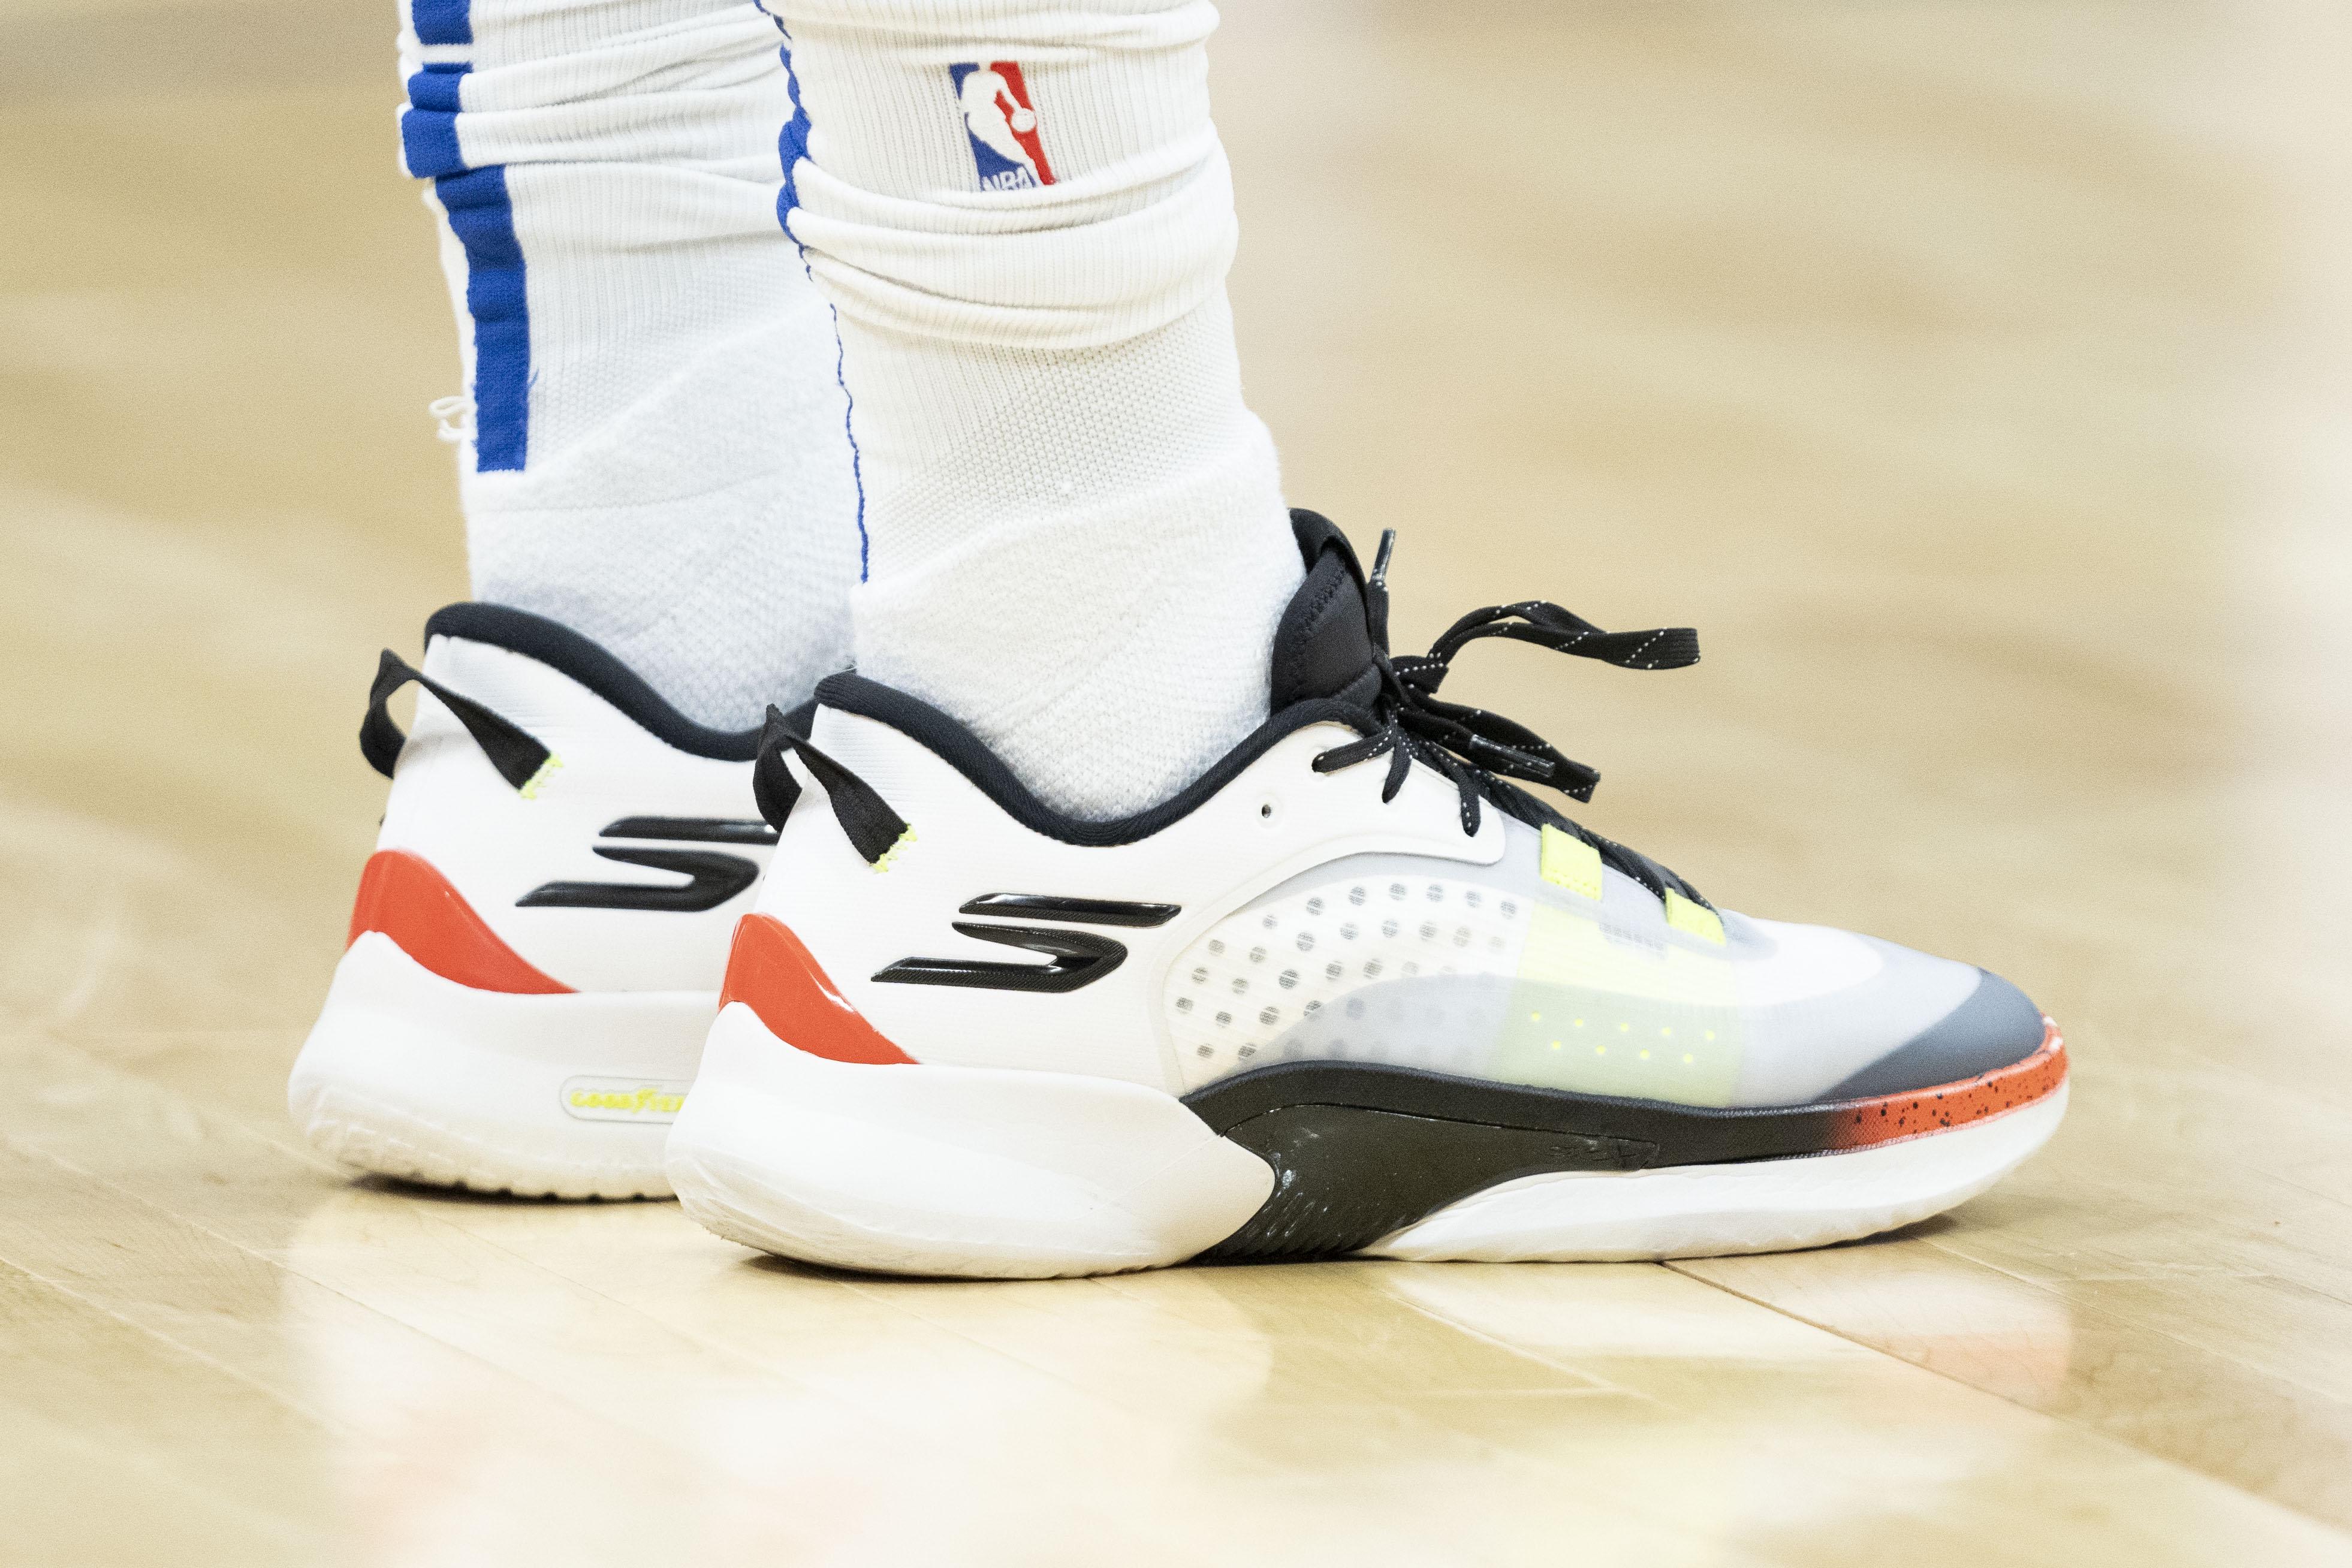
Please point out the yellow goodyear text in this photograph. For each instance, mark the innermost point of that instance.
(622, 1099)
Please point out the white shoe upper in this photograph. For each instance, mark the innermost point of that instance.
(1300, 916)
(642, 825)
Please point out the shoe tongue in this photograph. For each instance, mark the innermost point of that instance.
(1324, 645)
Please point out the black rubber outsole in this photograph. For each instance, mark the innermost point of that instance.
(1361, 1151)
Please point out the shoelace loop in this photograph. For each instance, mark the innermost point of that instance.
(1478, 750)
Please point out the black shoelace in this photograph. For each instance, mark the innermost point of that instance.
(1478, 751)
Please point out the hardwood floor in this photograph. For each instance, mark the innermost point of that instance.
(1978, 378)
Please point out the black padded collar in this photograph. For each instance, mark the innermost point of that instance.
(1323, 669)
(968, 755)
(565, 651)
(1323, 645)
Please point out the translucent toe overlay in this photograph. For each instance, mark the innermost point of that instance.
(1993, 1026)
(1502, 972)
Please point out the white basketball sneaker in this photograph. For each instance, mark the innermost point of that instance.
(538, 938)
(1350, 992)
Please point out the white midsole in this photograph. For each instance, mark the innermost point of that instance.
(1002, 1173)
(411, 1075)
(945, 1170)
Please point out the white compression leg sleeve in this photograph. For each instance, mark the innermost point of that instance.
(659, 454)
(1023, 214)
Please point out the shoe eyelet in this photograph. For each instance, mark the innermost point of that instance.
(1269, 811)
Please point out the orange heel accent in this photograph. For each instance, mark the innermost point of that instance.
(772, 973)
(404, 897)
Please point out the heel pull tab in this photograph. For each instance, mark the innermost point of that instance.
(873, 828)
(519, 758)
(772, 784)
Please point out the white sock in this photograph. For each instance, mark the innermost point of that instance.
(658, 452)
(1079, 544)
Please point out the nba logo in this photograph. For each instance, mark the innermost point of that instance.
(1002, 124)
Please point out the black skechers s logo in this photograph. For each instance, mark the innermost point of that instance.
(712, 879)
(1076, 957)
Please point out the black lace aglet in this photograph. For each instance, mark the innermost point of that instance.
(1400, 765)
(1376, 593)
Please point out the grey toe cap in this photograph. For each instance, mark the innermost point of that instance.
(1994, 1025)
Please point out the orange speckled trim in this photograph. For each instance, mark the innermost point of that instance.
(1858, 1123)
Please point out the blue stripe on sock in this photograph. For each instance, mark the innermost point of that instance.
(482, 218)
(792, 146)
(435, 87)
(849, 428)
(791, 143)
(442, 21)
(428, 126)
(481, 215)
